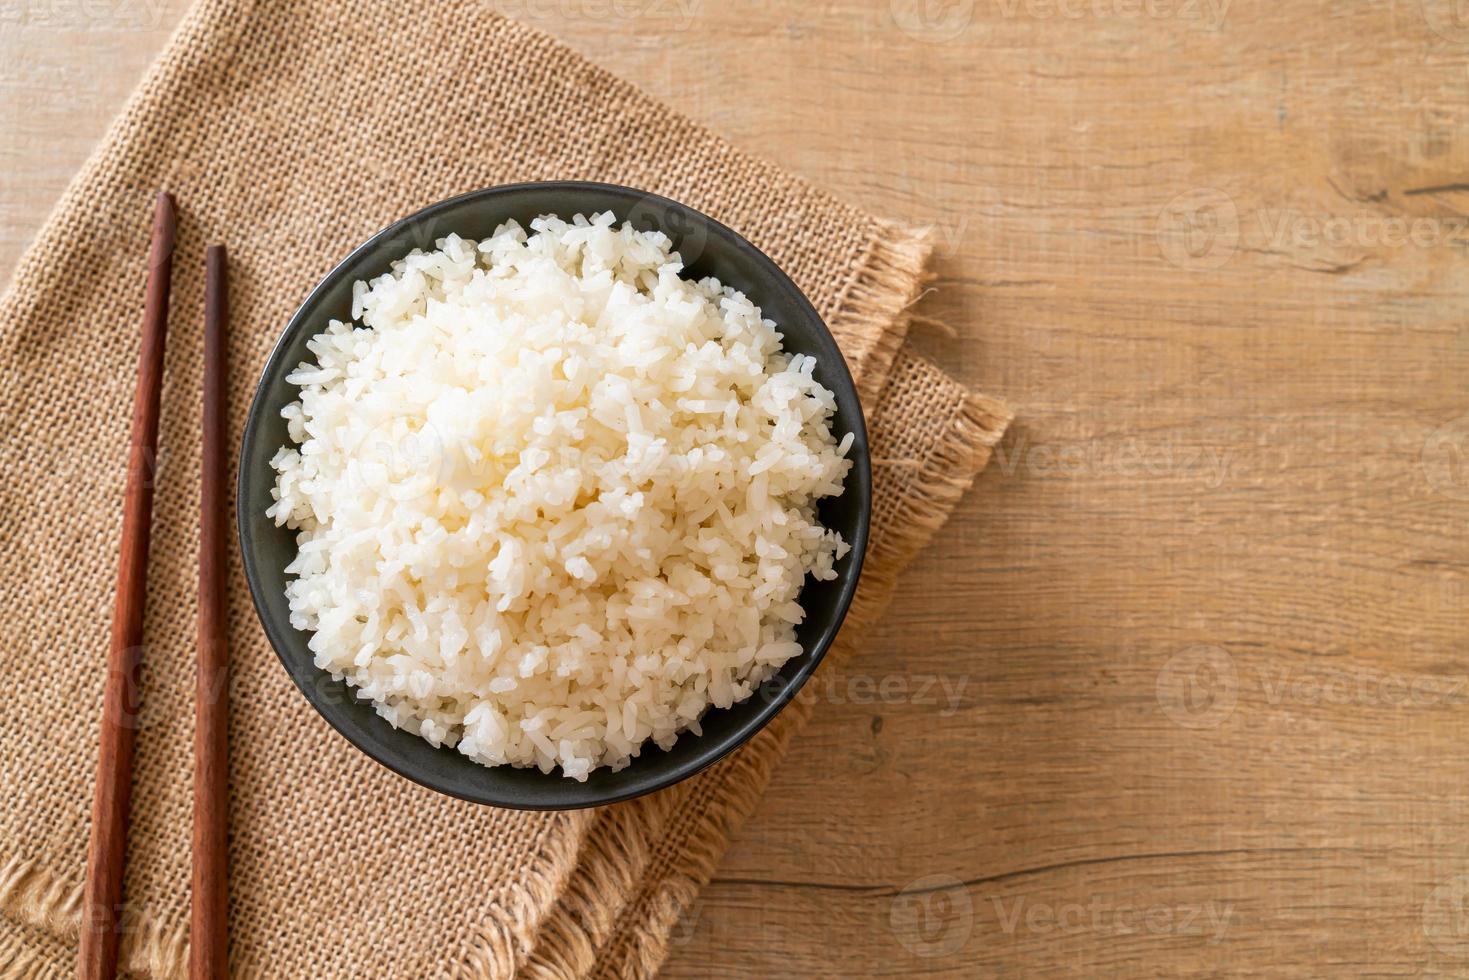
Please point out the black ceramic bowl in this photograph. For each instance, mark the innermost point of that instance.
(708, 248)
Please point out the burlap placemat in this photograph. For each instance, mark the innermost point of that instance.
(291, 132)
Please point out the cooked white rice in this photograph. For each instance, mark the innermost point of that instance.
(554, 500)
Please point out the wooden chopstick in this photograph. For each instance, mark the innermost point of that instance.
(102, 892)
(208, 936)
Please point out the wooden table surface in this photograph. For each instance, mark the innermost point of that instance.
(1184, 686)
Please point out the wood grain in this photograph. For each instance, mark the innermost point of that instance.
(101, 919)
(209, 898)
(1204, 616)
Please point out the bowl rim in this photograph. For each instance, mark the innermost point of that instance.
(282, 636)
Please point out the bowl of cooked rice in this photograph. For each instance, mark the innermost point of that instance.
(553, 494)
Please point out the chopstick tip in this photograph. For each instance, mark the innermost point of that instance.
(165, 220)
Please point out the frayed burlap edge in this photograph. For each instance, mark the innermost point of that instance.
(505, 940)
(35, 896)
(618, 854)
(600, 903)
(614, 856)
(890, 274)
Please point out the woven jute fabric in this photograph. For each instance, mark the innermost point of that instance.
(291, 132)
